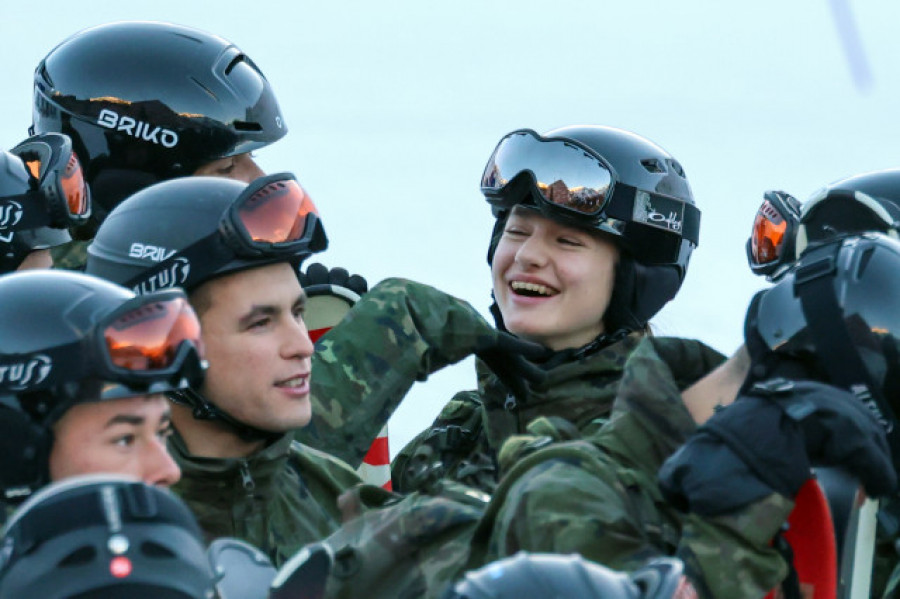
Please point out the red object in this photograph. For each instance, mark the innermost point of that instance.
(811, 536)
(120, 567)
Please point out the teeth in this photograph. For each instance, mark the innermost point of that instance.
(294, 382)
(531, 287)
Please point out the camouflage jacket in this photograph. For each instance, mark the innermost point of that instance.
(463, 442)
(397, 334)
(278, 499)
(599, 497)
(70, 256)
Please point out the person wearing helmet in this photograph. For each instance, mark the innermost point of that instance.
(798, 396)
(537, 576)
(42, 192)
(83, 368)
(594, 231)
(235, 249)
(149, 101)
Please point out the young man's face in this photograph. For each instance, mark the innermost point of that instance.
(258, 347)
(119, 436)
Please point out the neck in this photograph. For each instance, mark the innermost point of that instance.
(210, 438)
(719, 388)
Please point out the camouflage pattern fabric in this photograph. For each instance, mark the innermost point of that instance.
(599, 497)
(70, 256)
(278, 499)
(397, 334)
(406, 547)
(464, 441)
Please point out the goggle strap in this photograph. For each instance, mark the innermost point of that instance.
(33, 216)
(28, 368)
(621, 207)
(835, 349)
(203, 256)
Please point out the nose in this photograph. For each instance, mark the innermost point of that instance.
(159, 467)
(246, 169)
(297, 343)
(532, 252)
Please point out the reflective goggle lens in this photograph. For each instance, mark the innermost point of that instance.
(565, 174)
(74, 187)
(148, 337)
(767, 238)
(276, 213)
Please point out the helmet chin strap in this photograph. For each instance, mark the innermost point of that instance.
(203, 409)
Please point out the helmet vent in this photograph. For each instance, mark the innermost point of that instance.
(674, 164)
(247, 126)
(155, 550)
(237, 59)
(653, 165)
(79, 557)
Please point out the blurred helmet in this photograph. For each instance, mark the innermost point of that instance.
(67, 338)
(100, 536)
(147, 101)
(612, 181)
(836, 313)
(541, 576)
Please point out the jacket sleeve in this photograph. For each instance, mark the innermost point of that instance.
(583, 503)
(397, 334)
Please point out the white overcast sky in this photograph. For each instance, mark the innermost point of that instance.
(394, 107)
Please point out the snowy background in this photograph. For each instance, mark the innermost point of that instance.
(394, 107)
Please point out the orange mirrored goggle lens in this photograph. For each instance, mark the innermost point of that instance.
(276, 213)
(74, 187)
(767, 240)
(148, 337)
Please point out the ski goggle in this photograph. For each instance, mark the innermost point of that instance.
(273, 217)
(150, 342)
(58, 178)
(770, 248)
(576, 183)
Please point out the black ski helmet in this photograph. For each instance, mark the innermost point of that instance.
(642, 286)
(160, 225)
(15, 245)
(866, 202)
(101, 536)
(836, 313)
(52, 331)
(540, 576)
(148, 101)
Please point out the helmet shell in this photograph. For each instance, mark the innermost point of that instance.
(156, 98)
(163, 219)
(130, 539)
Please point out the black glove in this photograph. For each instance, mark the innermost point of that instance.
(769, 439)
(510, 358)
(318, 274)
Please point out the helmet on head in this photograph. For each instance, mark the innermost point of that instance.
(68, 338)
(536, 576)
(102, 536)
(147, 101)
(835, 315)
(783, 228)
(612, 181)
(184, 232)
(187, 231)
(42, 191)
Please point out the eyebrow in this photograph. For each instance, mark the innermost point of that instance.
(131, 419)
(256, 311)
